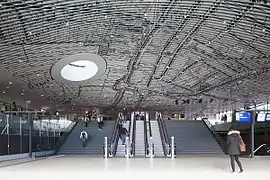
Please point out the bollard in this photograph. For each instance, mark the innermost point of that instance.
(172, 147)
(106, 147)
(127, 148)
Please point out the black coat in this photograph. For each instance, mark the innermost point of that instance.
(233, 141)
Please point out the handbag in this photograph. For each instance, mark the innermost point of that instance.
(242, 145)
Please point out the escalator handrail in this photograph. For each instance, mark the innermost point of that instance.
(133, 138)
(112, 142)
(166, 136)
(161, 132)
(150, 130)
(146, 144)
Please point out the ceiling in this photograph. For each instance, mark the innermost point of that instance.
(160, 54)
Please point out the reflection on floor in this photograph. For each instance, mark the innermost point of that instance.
(111, 168)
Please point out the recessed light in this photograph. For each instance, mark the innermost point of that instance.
(4, 92)
(22, 93)
(10, 83)
(41, 95)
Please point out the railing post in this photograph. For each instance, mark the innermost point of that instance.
(106, 147)
(172, 147)
(151, 148)
(127, 148)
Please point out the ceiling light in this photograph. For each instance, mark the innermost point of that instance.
(10, 83)
(263, 29)
(42, 95)
(4, 92)
(79, 70)
(22, 93)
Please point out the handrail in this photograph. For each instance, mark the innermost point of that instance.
(262, 145)
(133, 138)
(167, 145)
(150, 129)
(146, 144)
(62, 138)
(218, 138)
(161, 132)
(112, 146)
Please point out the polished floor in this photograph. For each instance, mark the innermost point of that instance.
(140, 168)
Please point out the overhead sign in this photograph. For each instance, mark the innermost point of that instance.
(243, 117)
(261, 117)
(267, 117)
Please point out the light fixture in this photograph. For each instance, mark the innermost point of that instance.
(10, 83)
(57, 113)
(22, 93)
(79, 70)
(4, 92)
(41, 95)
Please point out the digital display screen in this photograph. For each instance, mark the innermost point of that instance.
(243, 117)
(267, 117)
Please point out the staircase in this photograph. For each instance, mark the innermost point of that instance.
(120, 152)
(73, 145)
(192, 137)
(139, 139)
(158, 147)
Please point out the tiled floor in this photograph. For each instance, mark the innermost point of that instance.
(141, 168)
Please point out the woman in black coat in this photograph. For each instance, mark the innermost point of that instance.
(233, 143)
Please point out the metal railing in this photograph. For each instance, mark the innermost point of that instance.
(215, 134)
(62, 138)
(113, 142)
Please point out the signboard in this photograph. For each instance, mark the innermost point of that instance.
(243, 117)
(267, 117)
(261, 117)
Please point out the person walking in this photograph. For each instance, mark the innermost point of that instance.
(235, 146)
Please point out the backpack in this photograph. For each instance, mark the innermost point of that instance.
(83, 134)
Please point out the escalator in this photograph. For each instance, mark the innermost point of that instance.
(120, 152)
(156, 138)
(140, 139)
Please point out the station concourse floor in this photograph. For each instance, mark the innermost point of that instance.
(70, 167)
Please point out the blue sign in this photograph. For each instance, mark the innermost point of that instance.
(243, 117)
(267, 117)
